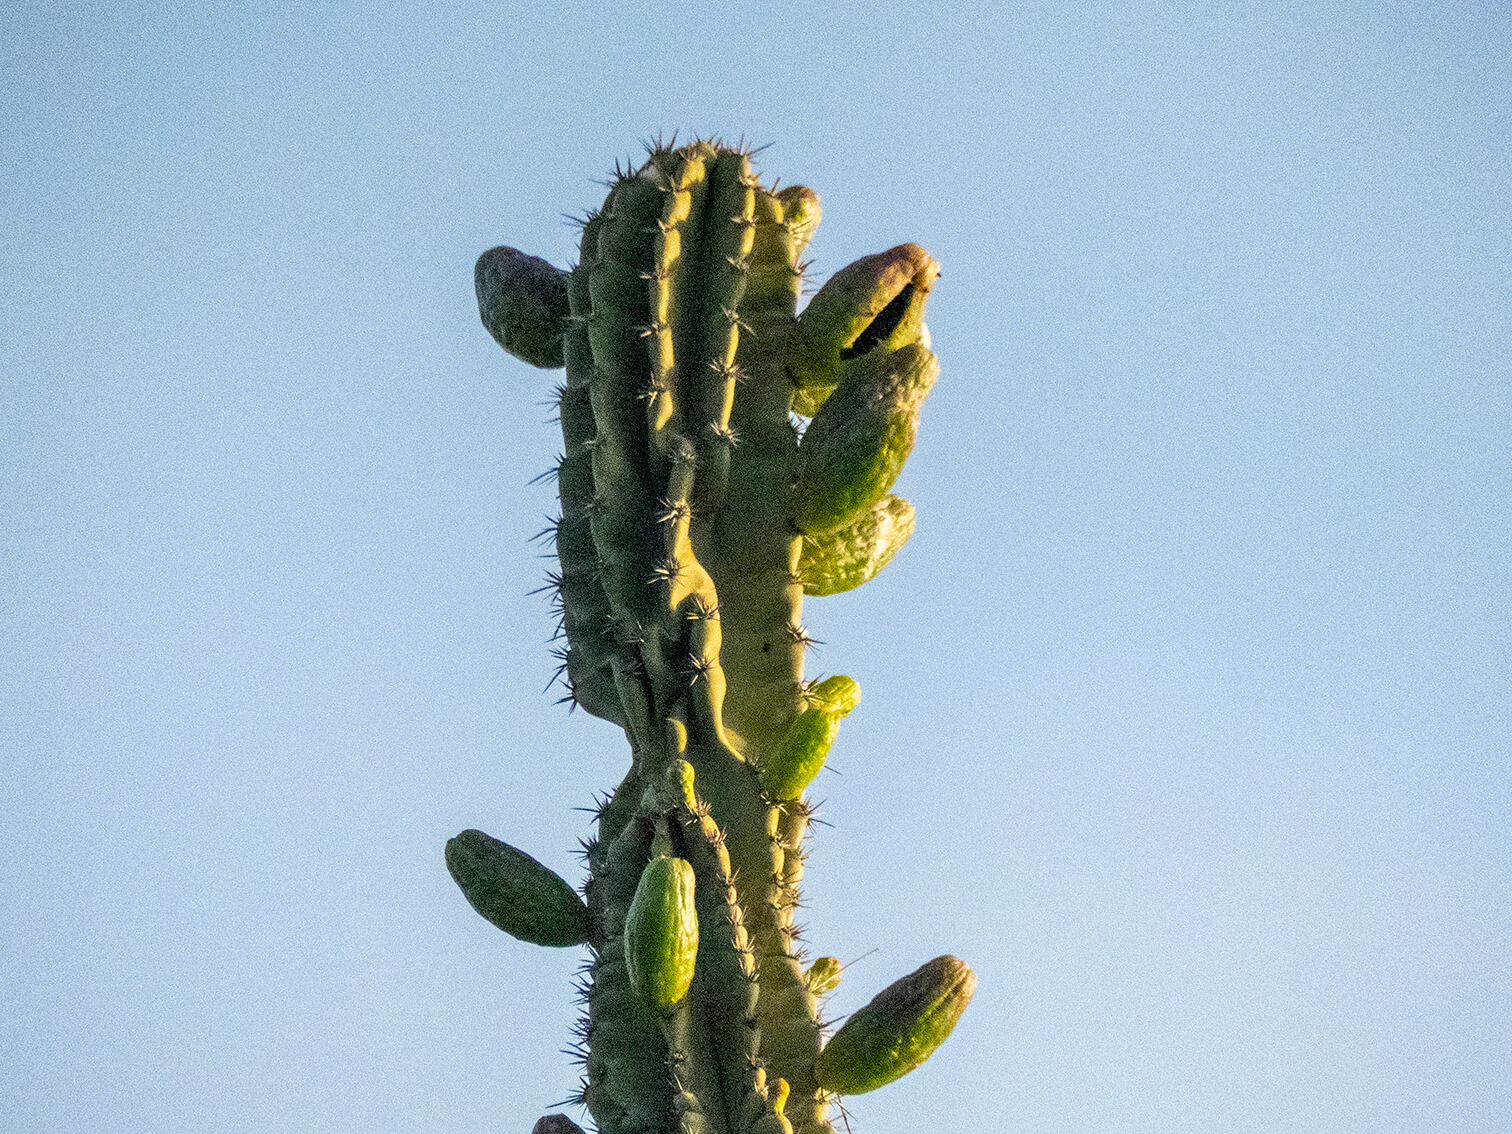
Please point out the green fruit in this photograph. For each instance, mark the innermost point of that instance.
(855, 447)
(522, 300)
(796, 759)
(824, 975)
(878, 301)
(515, 892)
(844, 559)
(661, 932)
(800, 212)
(898, 1030)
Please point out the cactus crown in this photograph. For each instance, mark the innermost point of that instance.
(697, 510)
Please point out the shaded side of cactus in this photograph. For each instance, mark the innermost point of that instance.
(722, 457)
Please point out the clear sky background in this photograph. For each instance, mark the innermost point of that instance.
(1186, 712)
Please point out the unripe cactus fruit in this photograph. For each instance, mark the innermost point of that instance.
(515, 892)
(898, 1030)
(795, 761)
(824, 975)
(661, 932)
(876, 302)
(843, 559)
(523, 303)
(856, 445)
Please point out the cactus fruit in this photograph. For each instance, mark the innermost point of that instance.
(661, 932)
(698, 508)
(796, 759)
(824, 975)
(898, 1030)
(833, 562)
(515, 892)
(523, 302)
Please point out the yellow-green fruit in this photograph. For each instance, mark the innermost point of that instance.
(800, 212)
(824, 975)
(898, 1030)
(842, 560)
(661, 932)
(855, 447)
(515, 892)
(795, 760)
(878, 301)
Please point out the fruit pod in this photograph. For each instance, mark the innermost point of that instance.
(661, 932)
(878, 301)
(898, 1030)
(522, 300)
(800, 213)
(855, 447)
(824, 975)
(842, 560)
(515, 892)
(792, 765)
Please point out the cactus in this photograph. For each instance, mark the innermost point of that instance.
(723, 457)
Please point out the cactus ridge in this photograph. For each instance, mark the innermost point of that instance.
(696, 512)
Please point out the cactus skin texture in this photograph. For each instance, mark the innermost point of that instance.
(698, 508)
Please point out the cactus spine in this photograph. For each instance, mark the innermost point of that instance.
(695, 516)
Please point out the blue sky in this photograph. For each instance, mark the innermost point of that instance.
(1186, 710)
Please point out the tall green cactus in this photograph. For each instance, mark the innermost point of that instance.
(697, 511)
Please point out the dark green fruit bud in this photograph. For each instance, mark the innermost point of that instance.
(555, 1124)
(843, 559)
(824, 975)
(877, 302)
(796, 759)
(515, 892)
(855, 447)
(523, 303)
(661, 932)
(898, 1030)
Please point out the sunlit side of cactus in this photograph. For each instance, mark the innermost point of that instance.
(723, 456)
